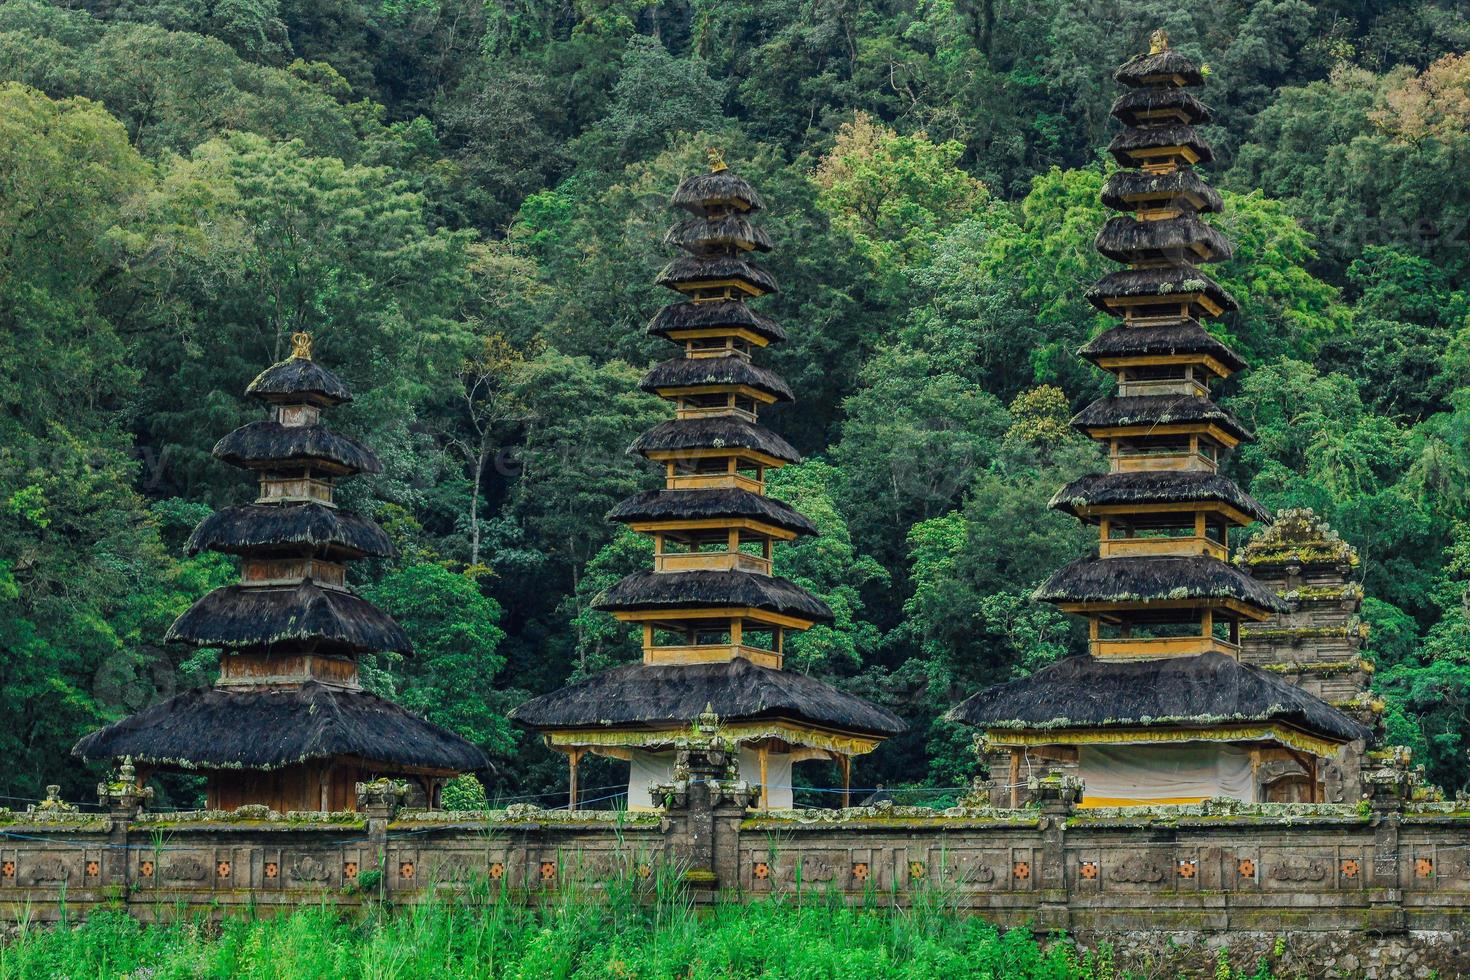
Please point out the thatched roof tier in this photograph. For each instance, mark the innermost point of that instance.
(1164, 283)
(1123, 188)
(702, 192)
(264, 530)
(737, 690)
(707, 589)
(298, 379)
(1160, 68)
(705, 316)
(267, 444)
(1156, 410)
(1126, 146)
(718, 433)
(1209, 689)
(1185, 337)
(1126, 239)
(689, 372)
(221, 729)
(1154, 579)
(692, 271)
(1132, 107)
(701, 236)
(1142, 488)
(723, 504)
(239, 617)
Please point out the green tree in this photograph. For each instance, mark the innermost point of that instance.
(450, 676)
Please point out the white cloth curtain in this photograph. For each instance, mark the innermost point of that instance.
(1123, 775)
(646, 768)
(778, 776)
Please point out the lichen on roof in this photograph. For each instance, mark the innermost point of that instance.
(1298, 537)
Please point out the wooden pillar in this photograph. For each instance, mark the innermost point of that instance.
(1015, 778)
(846, 763)
(762, 752)
(1316, 794)
(574, 758)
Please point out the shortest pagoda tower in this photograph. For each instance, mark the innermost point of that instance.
(1316, 643)
(287, 724)
(713, 614)
(1160, 709)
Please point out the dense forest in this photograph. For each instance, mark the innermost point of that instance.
(463, 201)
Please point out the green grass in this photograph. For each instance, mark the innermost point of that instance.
(572, 938)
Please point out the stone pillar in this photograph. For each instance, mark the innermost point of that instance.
(379, 802)
(1057, 794)
(124, 800)
(703, 806)
(1389, 786)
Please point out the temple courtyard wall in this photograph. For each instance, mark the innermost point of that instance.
(1383, 887)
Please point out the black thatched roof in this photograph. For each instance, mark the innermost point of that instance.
(1128, 106)
(1144, 69)
(1183, 182)
(262, 444)
(1185, 337)
(726, 313)
(700, 236)
(718, 432)
(1126, 239)
(1136, 138)
(663, 505)
(695, 590)
(1132, 410)
(1163, 283)
(689, 270)
(266, 529)
(1155, 487)
(1208, 689)
(737, 690)
(698, 193)
(684, 372)
(239, 617)
(221, 729)
(1142, 579)
(298, 378)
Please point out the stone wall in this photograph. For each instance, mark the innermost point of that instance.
(1386, 871)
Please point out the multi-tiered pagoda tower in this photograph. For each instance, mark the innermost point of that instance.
(287, 723)
(1161, 709)
(1317, 644)
(714, 617)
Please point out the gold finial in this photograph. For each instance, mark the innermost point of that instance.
(1158, 41)
(716, 160)
(301, 345)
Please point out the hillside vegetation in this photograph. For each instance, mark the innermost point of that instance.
(463, 201)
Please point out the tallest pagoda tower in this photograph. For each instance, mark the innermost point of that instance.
(714, 616)
(1160, 710)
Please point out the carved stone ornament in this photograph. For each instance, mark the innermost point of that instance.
(1138, 869)
(184, 869)
(1298, 868)
(308, 868)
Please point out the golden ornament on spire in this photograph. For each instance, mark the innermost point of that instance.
(1158, 41)
(716, 160)
(301, 345)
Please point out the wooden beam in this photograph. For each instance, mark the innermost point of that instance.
(1015, 778)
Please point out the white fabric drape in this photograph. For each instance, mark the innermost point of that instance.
(646, 768)
(1122, 775)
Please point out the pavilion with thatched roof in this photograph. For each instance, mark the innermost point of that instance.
(714, 616)
(1161, 709)
(287, 723)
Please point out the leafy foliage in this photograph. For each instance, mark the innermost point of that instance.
(464, 203)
